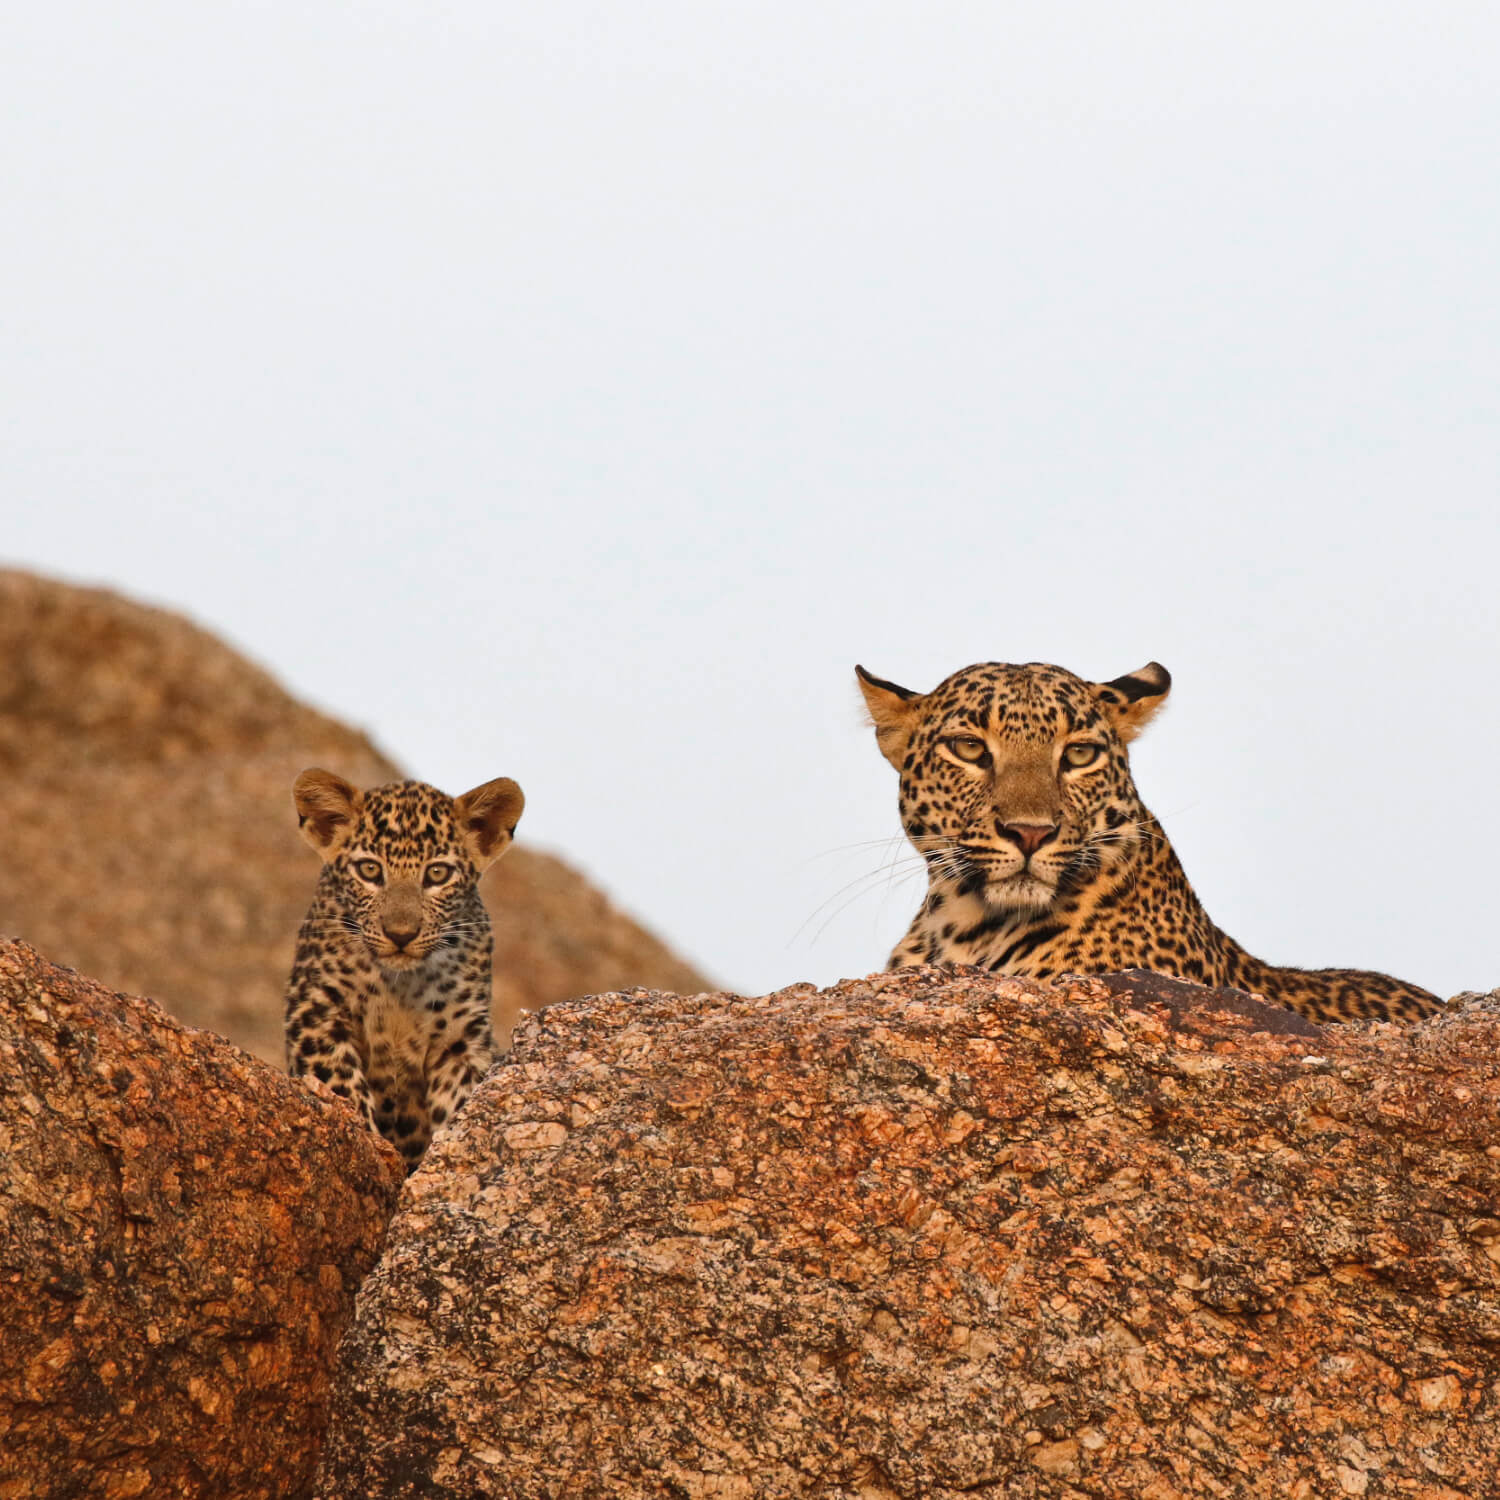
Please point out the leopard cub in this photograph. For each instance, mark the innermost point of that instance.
(389, 997)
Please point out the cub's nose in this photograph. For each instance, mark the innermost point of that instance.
(401, 913)
(400, 928)
(1030, 836)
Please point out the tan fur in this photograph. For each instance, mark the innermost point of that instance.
(1041, 857)
(327, 808)
(488, 816)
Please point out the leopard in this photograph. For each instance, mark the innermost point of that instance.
(388, 1000)
(1041, 858)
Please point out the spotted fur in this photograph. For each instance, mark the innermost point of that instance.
(1041, 857)
(389, 997)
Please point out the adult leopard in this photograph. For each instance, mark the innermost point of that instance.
(1042, 858)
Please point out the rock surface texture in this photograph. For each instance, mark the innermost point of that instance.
(147, 768)
(935, 1234)
(182, 1231)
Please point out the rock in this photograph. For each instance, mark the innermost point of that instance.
(147, 769)
(182, 1230)
(934, 1234)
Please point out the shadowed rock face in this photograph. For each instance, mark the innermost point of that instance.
(935, 1234)
(145, 793)
(182, 1231)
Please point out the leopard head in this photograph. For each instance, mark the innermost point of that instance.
(405, 858)
(1015, 780)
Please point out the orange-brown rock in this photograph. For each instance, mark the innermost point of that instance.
(145, 793)
(937, 1234)
(182, 1231)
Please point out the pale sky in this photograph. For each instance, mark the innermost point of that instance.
(576, 392)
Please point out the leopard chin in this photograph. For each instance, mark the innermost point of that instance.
(398, 960)
(1021, 892)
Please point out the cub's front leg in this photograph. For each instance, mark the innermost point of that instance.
(457, 1058)
(320, 1044)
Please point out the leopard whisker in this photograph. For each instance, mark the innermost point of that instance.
(893, 876)
(845, 848)
(901, 866)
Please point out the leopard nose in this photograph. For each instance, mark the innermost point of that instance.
(1031, 836)
(401, 929)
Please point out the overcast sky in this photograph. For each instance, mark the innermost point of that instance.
(576, 392)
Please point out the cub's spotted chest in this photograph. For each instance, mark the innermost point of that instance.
(389, 997)
(1042, 858)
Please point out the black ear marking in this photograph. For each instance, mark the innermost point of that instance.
(889, 687)
(1151, 681)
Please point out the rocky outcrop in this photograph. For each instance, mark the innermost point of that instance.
(182, 1231)
(937, 1234)
(145, 792)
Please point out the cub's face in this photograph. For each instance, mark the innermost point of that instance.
(1015, 780)
(406, 858)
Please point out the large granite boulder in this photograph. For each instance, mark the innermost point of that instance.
(936, 1234)
(147, 768)
(182, 1231)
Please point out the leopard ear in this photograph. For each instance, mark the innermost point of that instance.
(1132, 701)
(893, 711)
(327, 810)
(487, 818)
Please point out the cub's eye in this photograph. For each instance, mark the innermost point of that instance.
(369, 869)
(1078, 756)
(968, 747)
(438, 874)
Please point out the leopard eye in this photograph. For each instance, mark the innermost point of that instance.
(970, 748)
(437, 874)
(369, 869)
(1075, 757)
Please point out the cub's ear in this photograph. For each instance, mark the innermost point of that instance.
(327, 810)
(1132, 701)
(487, 818)
(893, 711)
